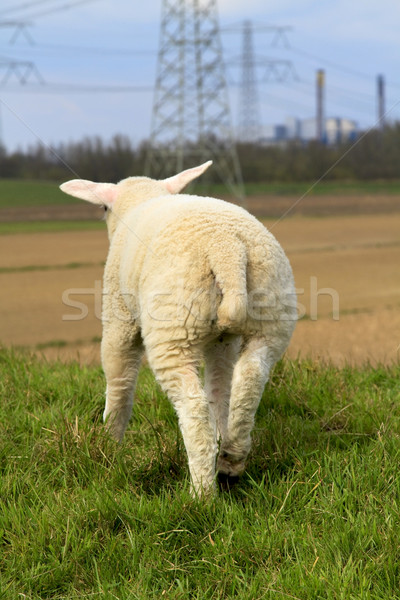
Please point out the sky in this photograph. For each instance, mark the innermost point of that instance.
(92, 63)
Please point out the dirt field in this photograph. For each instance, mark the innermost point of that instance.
(346, 269)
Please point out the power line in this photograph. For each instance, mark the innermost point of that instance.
(327, 62)
(319, 60)
(51, 10)
(103, 51)
(278, 31)
(347, 97)
(23, 6)
(62, 88)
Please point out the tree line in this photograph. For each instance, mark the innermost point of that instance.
(374, 155)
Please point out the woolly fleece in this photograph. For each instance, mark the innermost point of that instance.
(189, 280)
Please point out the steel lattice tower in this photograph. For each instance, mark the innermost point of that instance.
(191, 120)
(277, 70)
(249, 115)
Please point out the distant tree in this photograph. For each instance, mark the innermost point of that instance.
(375, 156)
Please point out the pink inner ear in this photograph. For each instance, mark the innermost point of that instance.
(97, 193)
(109, 193)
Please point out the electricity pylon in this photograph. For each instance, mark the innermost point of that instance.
(21, 71)
(249, 115)
(191, 119)
(255, 70)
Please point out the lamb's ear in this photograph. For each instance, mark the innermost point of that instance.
(176, 183)
(97, 193)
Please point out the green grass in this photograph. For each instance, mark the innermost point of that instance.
(21, 193)
(315, 189)
(49, 226)
(315, 516)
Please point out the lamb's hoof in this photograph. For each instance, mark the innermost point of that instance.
(231, 465)
(226, 482)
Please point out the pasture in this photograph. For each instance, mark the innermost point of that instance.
(316, 515)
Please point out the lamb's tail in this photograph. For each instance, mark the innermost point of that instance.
(230, 268)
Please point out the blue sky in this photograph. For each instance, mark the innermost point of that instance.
(106, 44)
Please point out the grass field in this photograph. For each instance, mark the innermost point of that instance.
(26, 193)
(316, 515)
(20, 193)
(49, 226)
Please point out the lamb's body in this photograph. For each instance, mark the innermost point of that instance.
(191, 279)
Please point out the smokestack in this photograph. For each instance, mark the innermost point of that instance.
(320, 106)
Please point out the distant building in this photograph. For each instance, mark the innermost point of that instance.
(337, 130)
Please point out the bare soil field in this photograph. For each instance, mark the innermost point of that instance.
(54, 212)
(324, 205)
(346, 269)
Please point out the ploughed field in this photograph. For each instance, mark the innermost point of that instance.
(344, 250)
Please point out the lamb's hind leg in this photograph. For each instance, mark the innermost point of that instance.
(184, 389)
(121, 360)
(249, 378)
(220, 359)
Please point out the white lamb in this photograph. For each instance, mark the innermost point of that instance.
(191, 279)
